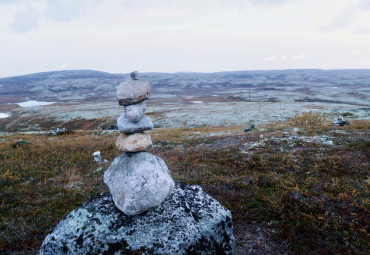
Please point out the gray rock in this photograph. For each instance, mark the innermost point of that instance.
(134, 75)
(250, 128)
(138, 182)
(97, 157)
(187, 222)
(20, 143)
(126, 126)
(134, 112)
(132, 92)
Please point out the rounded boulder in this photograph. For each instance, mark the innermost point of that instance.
(187, 222)
(138, 181)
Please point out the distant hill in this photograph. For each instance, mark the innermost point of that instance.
(89, 85)
(85, 99)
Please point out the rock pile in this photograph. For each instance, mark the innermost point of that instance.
(137, 180)
(145, 212)
(60, 131)
(341, 122)
(133, 123)
(98, 159)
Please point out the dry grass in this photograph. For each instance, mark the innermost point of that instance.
(301, 197)
(180, 135)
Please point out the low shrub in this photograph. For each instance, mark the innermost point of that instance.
(308, 119)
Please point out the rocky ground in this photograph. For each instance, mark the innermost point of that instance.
(295, 184)
(170, 115)
(292, 189)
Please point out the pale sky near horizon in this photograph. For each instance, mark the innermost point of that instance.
(119, 36)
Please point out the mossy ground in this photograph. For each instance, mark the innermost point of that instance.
(295, 196)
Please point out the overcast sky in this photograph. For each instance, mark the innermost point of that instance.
(182, 35)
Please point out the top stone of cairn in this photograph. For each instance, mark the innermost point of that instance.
(133, 91)
(134, 75)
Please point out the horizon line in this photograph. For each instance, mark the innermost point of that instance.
(246, 70)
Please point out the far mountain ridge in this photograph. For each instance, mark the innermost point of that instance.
(86, 99)
(80, 85)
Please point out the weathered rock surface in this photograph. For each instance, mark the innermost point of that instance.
(128, 127)
(134, 112)
(132, 92)
(133, 142)
(187, 222)
(138, 182)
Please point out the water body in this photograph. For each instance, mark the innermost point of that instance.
(31, 103)
(4, 115)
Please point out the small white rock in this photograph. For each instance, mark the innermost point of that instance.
(97, 157)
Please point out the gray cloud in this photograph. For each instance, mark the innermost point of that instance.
(68, 10)
(269, 1)
(361, 30)
(25, 21)
(65, 11)
(365, 4)
(346, 17)
(9, 1)
(342, 20)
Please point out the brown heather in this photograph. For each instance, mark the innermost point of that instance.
(308, 119)
(309, 198)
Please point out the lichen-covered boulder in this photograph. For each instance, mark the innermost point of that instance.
(125, 125)
(138, 181)
(187, 222)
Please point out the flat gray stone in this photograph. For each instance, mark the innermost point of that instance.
(128, 127)
(134, 112)
(132, 92)
(187, 222)
(138, 181)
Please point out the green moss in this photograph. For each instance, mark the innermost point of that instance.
(360, 145)
(347, 114)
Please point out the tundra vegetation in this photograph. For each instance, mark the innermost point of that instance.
(86, 99)
(287, 196)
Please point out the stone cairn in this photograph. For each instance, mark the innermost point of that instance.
(145, 212)
(137, 180)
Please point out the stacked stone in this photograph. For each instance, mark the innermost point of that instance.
(132, 124)
(137, 180)
(183, 219)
